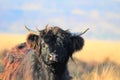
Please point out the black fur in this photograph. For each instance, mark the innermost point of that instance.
(48, 55)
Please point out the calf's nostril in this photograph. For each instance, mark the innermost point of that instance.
(50, 57)
(53, 57)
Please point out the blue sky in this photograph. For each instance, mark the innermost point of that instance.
(101, 16)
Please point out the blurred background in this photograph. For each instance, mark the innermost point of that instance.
(102, 17)
(102, 41)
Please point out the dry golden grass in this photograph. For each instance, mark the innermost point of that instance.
(95, 50)
(106, 71)
(9, 40)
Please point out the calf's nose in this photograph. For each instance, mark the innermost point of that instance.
(53, 57)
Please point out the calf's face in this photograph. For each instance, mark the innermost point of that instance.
(55, 45)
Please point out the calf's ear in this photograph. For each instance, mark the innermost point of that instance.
(77, 43)
(32, 40)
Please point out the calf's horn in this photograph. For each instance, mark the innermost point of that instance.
(29, 30)
(84, 31)
(48, 28)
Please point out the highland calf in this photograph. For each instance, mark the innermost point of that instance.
(44, 56)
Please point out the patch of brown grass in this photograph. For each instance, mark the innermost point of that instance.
(106, 71)
(81, 70)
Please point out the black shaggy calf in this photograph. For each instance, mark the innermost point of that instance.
(45, 56)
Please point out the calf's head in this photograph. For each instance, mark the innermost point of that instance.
(54, 44)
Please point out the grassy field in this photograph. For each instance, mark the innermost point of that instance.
(9, 40)
(95, 50)
(99, 60)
